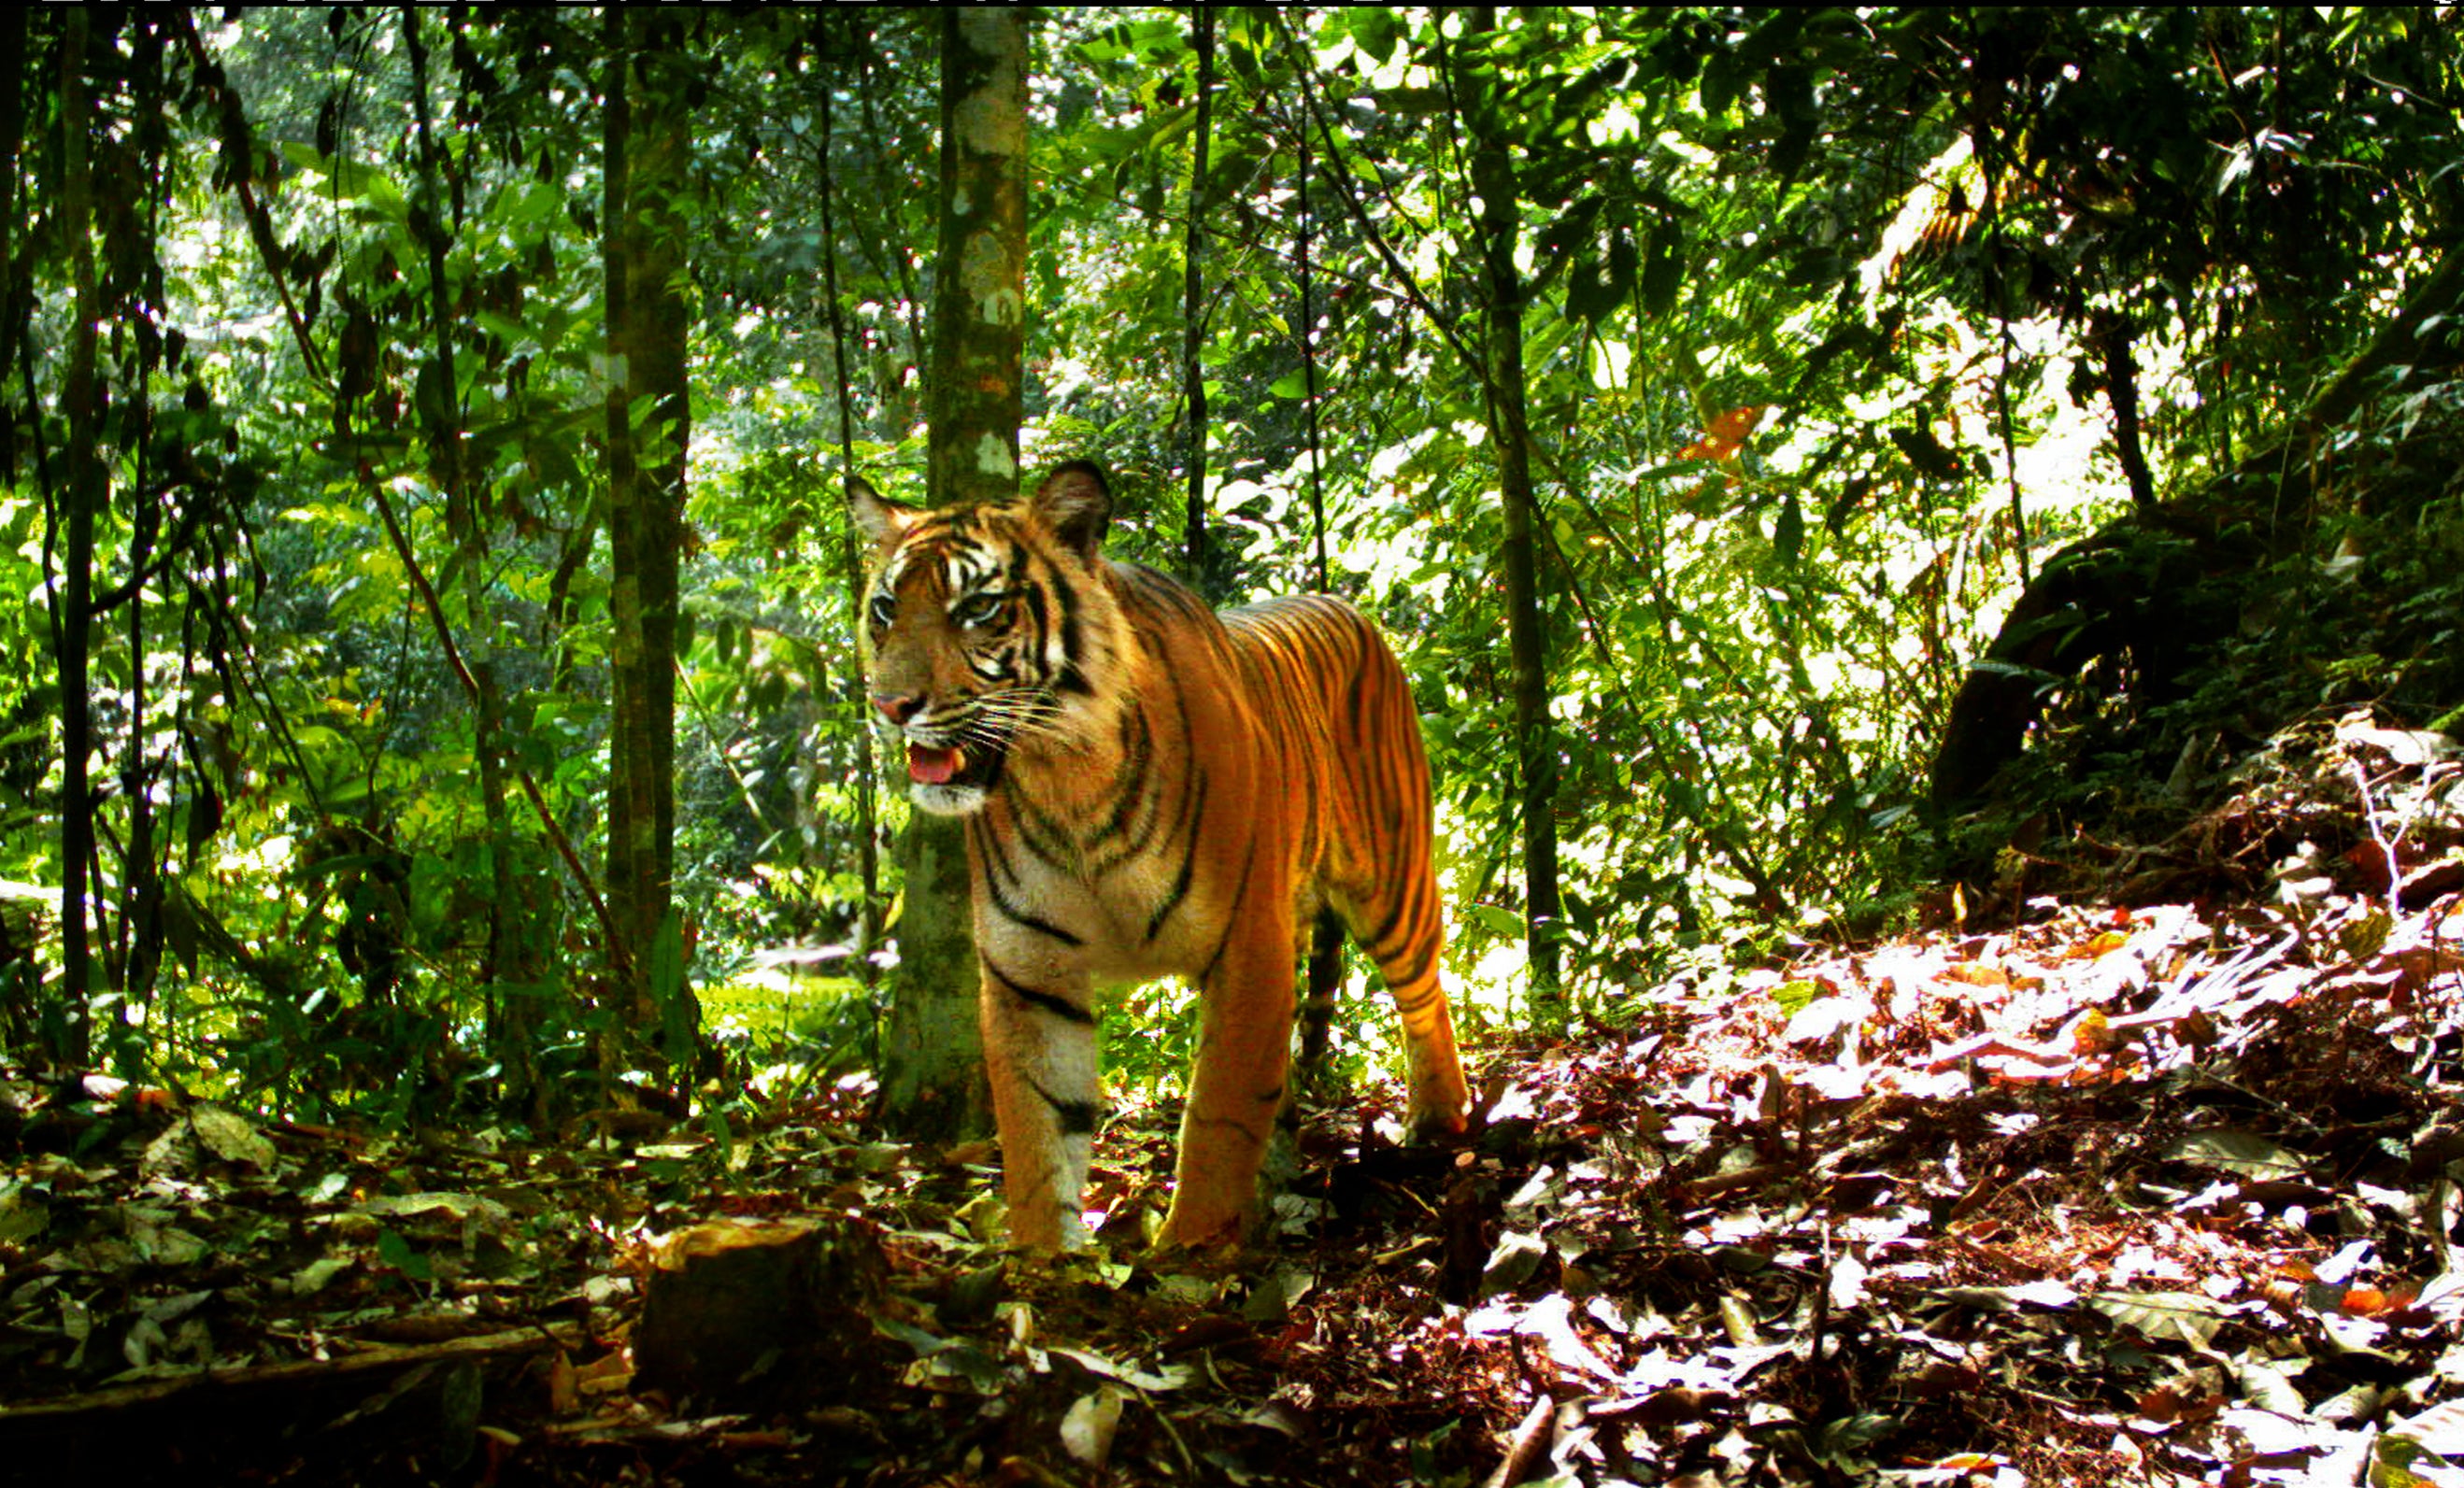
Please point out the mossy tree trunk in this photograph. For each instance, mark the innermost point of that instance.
(648, 135)
(1492, 174)
(932, 1078)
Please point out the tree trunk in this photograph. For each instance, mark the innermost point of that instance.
(511, 917)
(1308, 365)
(70, 1041)
(20, 995)
(868, 927)
(139, 948)
(979, 287)
(900, 395)
(932, 1081)
(2110, 334)
(1492, 173)
(647, 148)
(1193, 314)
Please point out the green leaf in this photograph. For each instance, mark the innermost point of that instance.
(668, 983)
(1376, 31)
(1597, 284)
(2438, 1430)
(2051, 1295)
(1505, 922)
(2240, 1152)
(1721, 81)
(1664, 269)
(1794, 996)
(396, 1251)
(2166, 1317)
(1788, 532)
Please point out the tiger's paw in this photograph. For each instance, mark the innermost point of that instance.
(1439, 1116)
(1190, 1229)
(1440, 1105)
(1047, 1230)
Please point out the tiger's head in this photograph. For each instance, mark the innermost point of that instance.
(986, 628)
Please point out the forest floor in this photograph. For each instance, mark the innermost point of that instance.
(2150, 1189)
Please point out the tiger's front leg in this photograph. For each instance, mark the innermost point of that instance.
(1236, 1090)
(1040, 1054)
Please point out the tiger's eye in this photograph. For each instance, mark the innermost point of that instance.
(977, 610)
(885, 609)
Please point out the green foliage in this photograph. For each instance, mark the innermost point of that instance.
(1831, 319)
(1757, 635)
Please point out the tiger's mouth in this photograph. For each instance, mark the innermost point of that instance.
(954, 778)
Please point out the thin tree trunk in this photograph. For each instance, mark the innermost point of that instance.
(12, 140)
(1492, 171)
(438, 400)
(2111, 335)
(20, 998)
(628, 813)
(648, 147)
(868, 933)
(1998, 261)
(932, 1079)
(1193, 310)
(1308, 369)
(898, 398)
(139, 952)
(81, 499)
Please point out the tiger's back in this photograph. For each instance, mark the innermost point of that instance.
(1150, 788)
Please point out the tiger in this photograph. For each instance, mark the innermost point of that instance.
(1151, 788)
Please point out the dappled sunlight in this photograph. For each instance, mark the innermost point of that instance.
(1921, 544)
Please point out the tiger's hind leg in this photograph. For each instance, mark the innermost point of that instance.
(1403, 937)
(1236, 1090)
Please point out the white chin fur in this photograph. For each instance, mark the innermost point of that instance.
(946, 800)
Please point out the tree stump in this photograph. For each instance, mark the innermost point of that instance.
(739, 1311)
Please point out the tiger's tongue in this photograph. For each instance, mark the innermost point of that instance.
(929, 766)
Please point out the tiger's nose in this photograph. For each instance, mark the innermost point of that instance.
(898, 709)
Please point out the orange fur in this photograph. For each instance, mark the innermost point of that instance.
(1149, 789)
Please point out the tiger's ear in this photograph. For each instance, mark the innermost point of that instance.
(878, 519)
(1076, 504)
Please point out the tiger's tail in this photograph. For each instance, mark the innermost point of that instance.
(1317, 1004)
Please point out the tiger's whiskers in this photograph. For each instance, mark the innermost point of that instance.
(1028, 714)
